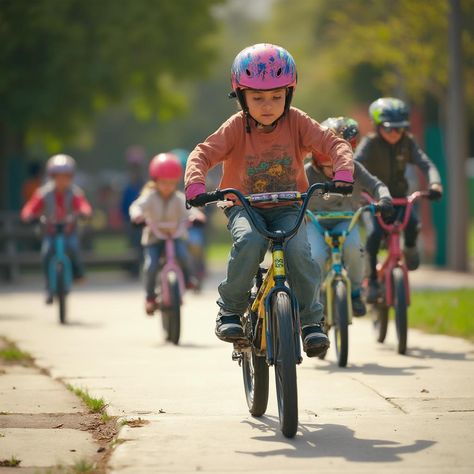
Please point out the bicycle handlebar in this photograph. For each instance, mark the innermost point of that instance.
(283, 196)
(408, 202)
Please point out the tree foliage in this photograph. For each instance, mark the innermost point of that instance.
(62, 60)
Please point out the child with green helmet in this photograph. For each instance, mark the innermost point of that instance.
(386, 152)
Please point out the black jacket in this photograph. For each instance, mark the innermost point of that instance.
(389, 162)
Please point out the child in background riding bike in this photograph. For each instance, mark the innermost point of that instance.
(262, 148)
(386, 153)
(320, 170)
(161, 203)
(59, 200)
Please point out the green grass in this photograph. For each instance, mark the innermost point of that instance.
(9, 352)
(12, 462)
(95, 405)
(111, 245)
(82, 465)
(218, 252)
(444, 312)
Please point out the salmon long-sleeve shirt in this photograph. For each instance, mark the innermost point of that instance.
(259, 162)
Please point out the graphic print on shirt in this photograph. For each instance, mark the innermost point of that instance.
(271, 172)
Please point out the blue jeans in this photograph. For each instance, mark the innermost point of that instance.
(72, 249)
(153, 254)
(352, 253)
(248, 251)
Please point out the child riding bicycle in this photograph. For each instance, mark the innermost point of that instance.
(320, 170)
(161, 202)
(59, 200)
(262, 148)
(386, 154)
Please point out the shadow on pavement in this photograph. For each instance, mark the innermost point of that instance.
(423, 353)
(13, 317)
(330, 441)
(369, 369)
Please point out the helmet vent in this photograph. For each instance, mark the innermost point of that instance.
(278, 74)
(248, 72)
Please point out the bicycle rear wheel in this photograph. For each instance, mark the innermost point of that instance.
(61, 292)
(285, 364)
(255, 373)
(380, 321)
(171, 315)
(400, 305)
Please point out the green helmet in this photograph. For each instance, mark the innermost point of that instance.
(389, 112)
(343, 127)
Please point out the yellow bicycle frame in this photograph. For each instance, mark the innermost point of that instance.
(258, 306)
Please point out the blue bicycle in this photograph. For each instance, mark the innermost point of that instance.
(336, 285)
(60, 274)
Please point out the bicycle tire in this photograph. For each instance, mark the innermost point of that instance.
(285, 364)
(173, 312)
(61, 292)
(255, 375)
(400, 306)
(380, 321)
(341, 323)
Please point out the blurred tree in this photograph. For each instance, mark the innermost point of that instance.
(63, 60)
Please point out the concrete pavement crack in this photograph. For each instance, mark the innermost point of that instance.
(387, 399)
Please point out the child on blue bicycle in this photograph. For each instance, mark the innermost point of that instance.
(59, 200)
(320, 170)
(262, 148)
(386, 153)
(161, 206)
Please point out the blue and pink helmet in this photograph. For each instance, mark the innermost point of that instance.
(263, 67)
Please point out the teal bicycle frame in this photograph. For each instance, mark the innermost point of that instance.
(335, 241)
(59, 258)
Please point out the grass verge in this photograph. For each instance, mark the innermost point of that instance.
(9, 352)
(95, 405)
(12, 462)
(444, 312)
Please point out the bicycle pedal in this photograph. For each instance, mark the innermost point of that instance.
(242, 345)
(237, 357)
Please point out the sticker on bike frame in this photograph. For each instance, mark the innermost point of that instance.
(278, 263)
(275, 197)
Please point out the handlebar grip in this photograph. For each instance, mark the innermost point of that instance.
(205, 198)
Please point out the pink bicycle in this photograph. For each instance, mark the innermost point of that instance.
(170, 285)
(392, 274)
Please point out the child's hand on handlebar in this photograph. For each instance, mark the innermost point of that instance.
(385, 207)
(435, 193)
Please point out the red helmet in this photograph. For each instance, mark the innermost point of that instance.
(165, 166)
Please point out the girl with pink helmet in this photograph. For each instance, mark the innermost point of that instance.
(161, 202)
(262, 149)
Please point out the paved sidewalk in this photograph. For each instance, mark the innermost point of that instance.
(383, 413)
(43, 426)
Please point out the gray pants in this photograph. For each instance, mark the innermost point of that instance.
(352, 253)
(248, 250)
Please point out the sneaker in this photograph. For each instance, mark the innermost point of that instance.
(150, 306)
(229, 327)
(412, 257)
(315, 341)
(358, 306)
(49, 299)
(373, 291)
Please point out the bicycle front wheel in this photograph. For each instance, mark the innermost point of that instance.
(172, 314)
(341, 323)
(400, 305)
(285, 364)
(61, 292)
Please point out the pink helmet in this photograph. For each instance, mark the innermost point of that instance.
(263, 67)
(165, 166)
